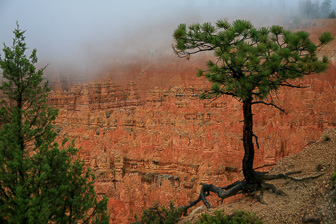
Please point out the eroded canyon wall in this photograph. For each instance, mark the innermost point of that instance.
(161, 148)
(154, 140)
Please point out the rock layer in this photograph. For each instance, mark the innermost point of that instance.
(151, 144)
(160, 149)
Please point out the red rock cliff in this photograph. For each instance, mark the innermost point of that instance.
(153, 140)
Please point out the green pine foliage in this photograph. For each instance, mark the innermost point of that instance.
(40, 180)
(250, 62)
(238, 217)
(159, 214)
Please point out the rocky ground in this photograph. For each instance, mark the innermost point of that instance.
(307, 201)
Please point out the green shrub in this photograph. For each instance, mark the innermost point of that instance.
(240, 217)
(159, 214)
(326, 138)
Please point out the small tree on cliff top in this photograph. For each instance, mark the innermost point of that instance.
(39, 182)
(250, 64)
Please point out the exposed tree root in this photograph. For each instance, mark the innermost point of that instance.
(310, 219)
(253, 189)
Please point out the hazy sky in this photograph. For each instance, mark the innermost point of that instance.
(78, 32)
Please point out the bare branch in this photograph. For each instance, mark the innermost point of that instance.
(270, 104)
(293, 86)
(256, 138)
(227, 93)
(218, 94)
(202, 46)
(259, 167)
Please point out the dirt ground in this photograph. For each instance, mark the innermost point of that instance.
(309, 199)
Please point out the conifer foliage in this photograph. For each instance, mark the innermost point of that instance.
(249, 64)
(40, 180)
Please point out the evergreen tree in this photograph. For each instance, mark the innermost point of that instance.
(310, 9)
(249, 65)
(332, 15)
(40, 181)
(325, 9)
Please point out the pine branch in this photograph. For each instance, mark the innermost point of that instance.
(270, 104)
(259, 167)
(293, 86)
(256, 138)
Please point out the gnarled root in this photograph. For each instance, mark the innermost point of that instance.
(228, 191)
(243, 187)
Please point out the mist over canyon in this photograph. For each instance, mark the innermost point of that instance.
(79, 38)
(142, 128)
(133, 108)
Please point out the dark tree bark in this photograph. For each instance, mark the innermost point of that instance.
(248, 171)
(257, 75)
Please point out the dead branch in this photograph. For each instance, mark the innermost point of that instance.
(286, 176)
(270, 104)
(256, 138)
(259, 167)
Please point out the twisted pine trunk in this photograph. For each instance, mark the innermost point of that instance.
(254, 181)
(248, 171)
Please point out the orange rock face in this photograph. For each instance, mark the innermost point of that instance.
(150, 144)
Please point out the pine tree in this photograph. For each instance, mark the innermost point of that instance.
(249, 65)
(325, 9)
(310, 9)
(332, 15)
(40, 180)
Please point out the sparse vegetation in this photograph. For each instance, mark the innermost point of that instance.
(159, 214)
(326, 138)
(241, 217)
